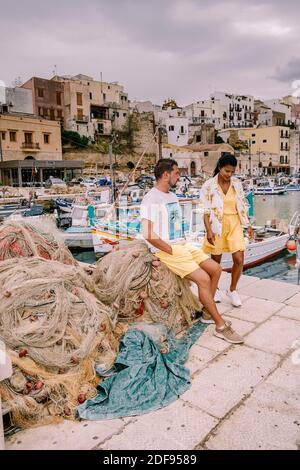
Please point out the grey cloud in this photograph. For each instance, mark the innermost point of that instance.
(290, 72)
(156, 48)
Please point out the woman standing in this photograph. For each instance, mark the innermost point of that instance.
(224, 215)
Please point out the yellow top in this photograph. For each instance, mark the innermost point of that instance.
(229, 202)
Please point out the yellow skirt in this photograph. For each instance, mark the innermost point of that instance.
(231, 240)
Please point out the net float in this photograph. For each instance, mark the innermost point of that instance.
(23, 352)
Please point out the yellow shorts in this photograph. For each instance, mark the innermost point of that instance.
(184, 259)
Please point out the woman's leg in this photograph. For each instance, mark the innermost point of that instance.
(237, 269)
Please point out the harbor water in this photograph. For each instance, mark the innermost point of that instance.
(266, 208)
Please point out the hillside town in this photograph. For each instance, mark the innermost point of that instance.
(63, 125)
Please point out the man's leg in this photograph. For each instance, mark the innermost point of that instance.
(203, 281)
(214, 271)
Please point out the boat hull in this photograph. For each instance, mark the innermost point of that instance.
(258, 252)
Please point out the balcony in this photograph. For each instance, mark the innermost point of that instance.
(30, 146)
(81, 118)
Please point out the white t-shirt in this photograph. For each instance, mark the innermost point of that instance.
(164, 211)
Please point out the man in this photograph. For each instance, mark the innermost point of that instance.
(162, 229)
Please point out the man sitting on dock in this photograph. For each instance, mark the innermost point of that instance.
(162, 230)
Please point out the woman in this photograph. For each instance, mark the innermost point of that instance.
(224, 215)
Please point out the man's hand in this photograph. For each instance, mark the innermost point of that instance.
(211, 237)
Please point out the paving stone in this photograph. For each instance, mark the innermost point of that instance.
(228, 379)
(256, 428)
(68, 435)
(289, 312)
(294, 301)
(276, 335)
(208, 340)
(241, 326)
(198, 358)
(270, 290)
(178, 426)
(255, 310)
(245, 280)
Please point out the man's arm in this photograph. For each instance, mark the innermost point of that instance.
(151, 237)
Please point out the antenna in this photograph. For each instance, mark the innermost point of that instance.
(54, 71)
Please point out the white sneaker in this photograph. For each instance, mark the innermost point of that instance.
(234, 298)
(217, 297)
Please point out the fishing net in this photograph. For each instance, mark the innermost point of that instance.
(23, 239)
(138, 286)
(55, 330)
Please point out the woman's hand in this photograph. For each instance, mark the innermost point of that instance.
(210, 237)
(250, 232)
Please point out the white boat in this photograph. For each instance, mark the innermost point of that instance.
(268, 242)
(268, 186)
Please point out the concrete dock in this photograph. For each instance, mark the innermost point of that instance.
(241, 397)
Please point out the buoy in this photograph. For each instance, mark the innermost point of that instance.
(291, 246)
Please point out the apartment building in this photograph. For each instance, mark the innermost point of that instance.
(93, 108)
(47, 98)
(268, 147)
(223, 110)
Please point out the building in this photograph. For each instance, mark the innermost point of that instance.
(16, 100)
(196, 159)
(223, 110)
(266, 116)
(47, 98)
(25, 141)
(274, 112)
(267, 148)
(201, 133)
(294, 151)
(93, 108)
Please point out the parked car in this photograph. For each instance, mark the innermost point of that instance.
(52, 181)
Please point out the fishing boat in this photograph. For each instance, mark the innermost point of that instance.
(268, 186)
(267, 243)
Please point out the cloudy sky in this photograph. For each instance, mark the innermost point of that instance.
(157, 49)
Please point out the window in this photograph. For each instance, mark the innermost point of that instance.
(171, 128)
(206, 154)
(198, 138)
(13, 136)
(124, 114)
(117, 114)
(45, 112)
(40, 111)
(253, 142)
(79, 99)
(46, 138)
(182, 131)
(108, 87)
(40, 92)
(264, 141)
(91, 96)
(52, 115)
(213, 111)
(59, 113)
(79, 114)
(202, 112)
(281, 159)
(3, 135)
(58, 98)
(28, 137)
(253, 135)
(104, 96)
